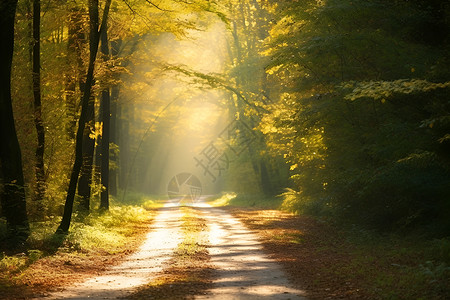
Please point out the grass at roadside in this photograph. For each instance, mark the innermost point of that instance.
(242, 200)
(188, 272)
(338, 264)
(93, 243)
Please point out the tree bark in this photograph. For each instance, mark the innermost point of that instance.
(38, 122)
(124, 144)
(75, 41)
(106, 112)
(113, 139)
(12, 194)
(94, 40)
(115, 47)
(85, 180)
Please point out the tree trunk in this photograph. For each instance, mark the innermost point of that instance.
(75, 41)
(85, 180)
(40, 172)
(94, 42)
(113, 139)
(266, 182)
(115, 46)
(96, 178)
(12, 194)
(124, 144)
(106, 112)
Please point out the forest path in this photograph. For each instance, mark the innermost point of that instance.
(137, 269)
(241, 269)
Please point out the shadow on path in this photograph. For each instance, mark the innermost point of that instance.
(242, 270)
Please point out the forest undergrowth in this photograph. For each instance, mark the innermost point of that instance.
(339, 261)
(95, 242)
(327, 260)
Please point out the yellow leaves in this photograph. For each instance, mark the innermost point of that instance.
(380, 90)
(273, 70)
(268, 128)
(96, 131)
(320, 3)
(444, 138)
(286, 135)
(285, 27)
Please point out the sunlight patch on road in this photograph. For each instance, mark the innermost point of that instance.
(242, 269)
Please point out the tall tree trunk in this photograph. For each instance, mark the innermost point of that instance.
(85, 180)
(94, 42)
(115, 47)
(113, 139)
(40, 172)
(96, 178)
(266, 183)
(106, 112)
(75, 41)
(13, 193)
(124, 144)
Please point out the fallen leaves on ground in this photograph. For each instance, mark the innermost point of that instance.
(65, 268)
(308, 251)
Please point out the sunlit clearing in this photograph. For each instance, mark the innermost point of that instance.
(176, 116)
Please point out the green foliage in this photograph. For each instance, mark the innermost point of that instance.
(380, 90)
(223, 199)
(348, 98)
(410, 192)
(440, 250)
(16, 263)
(293, 201)
(362, 118)
(13, 264)
(139, 199)
(246, 200)
(99, 231)
(435, 272)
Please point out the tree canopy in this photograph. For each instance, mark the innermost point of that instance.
(340, 107)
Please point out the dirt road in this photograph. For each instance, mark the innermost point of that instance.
(241, 269)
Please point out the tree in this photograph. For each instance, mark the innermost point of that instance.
(115, 47)
(356, 85)
(75, 44)
(249, 27)
(106, 129)
(94, 41)
(40, 148)
(12, 194)
(85, 180)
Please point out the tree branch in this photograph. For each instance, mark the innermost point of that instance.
(157, 7)
(214, 82)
